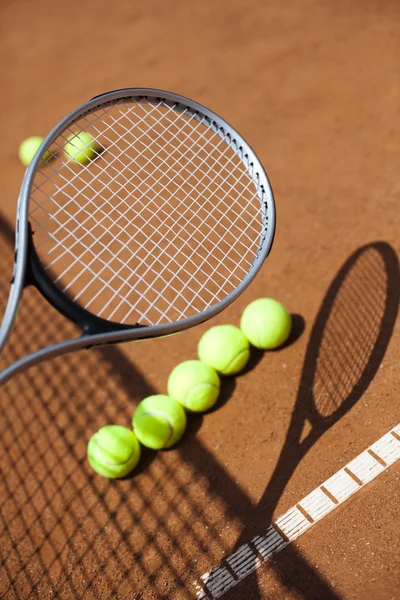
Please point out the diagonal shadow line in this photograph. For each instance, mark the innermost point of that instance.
(368, 284)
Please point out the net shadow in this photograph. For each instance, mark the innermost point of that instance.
(66, 532)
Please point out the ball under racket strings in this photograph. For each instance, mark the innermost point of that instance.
(142, 214)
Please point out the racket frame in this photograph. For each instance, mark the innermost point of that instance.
(96, 331)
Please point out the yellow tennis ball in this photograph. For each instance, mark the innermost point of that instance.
(195, 385)
(113, 451)
(266, 323)
(82, 148)
(28, 149)
(225, 348)
(159, 422)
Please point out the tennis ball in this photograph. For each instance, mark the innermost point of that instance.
(28, 149)
(113, 451)
(159, 422)
(82, 148)
(266, 323)
(225, 348)
(195, 385)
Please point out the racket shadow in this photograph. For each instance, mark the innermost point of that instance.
(347, 344)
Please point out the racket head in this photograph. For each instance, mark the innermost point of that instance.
(190, 259)
(351, 334)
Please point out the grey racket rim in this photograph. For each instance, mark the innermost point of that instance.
(222, 128)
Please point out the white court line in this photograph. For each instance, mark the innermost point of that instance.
(346, 482)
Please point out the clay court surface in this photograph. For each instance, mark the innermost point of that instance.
(315, 89)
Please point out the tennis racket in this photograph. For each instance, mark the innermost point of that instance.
(166, 224)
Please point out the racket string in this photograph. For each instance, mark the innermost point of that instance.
(237, 181)
(212, 181)
(191, 276)
(168, 180)
(119, 172)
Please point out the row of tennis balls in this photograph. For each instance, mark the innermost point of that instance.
(80, 147)
(159, 421)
